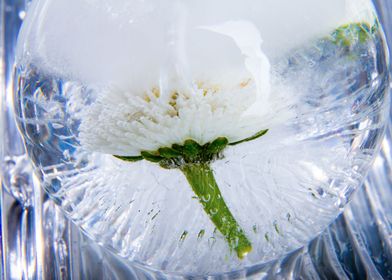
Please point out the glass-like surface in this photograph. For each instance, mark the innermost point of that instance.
(321, 100)
(356, 246)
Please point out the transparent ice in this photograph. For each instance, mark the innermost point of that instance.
(283, 188)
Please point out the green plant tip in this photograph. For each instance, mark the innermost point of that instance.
(253, 137)
(129, 159)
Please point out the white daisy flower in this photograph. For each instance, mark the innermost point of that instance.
(188, 124)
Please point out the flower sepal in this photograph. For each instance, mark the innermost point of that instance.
(190, 152)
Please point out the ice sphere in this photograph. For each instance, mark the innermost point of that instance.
(94, 39)
(99, 79)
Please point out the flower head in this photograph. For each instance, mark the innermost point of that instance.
(127, 123)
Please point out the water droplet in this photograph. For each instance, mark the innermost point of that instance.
(206, 198)
(214, 211)
(211, 242)
(276, 227)
(57, 126)
(183, 236)
(288, 217)
(22, 15)
(321, 192)
(201, 234)
(266, 236)
(153, 217)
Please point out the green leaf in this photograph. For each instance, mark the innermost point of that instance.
(349, 34)
(191, 148)
(217, 146)
(151, 157)
(129, 159)
(168, 153)
(178, 148)
(254, 137)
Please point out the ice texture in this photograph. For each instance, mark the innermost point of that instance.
(283, 188)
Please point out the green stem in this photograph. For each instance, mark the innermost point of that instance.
(201, 178)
